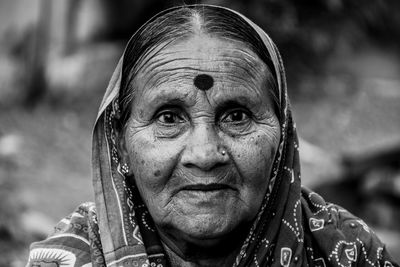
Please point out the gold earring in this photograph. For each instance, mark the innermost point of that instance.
(124, 169)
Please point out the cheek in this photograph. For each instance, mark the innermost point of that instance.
(254, 156)
(152, 163)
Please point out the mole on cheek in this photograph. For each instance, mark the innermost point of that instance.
(203, 82)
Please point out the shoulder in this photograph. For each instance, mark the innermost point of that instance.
(70, 243)
(342, 238)
(361, 239)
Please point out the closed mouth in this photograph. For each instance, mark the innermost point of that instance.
(207, 187)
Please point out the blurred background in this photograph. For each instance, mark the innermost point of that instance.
(56, 57)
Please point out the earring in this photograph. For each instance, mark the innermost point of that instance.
(223, 152)
(124, 169)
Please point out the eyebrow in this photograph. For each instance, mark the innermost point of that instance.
(229, 104)
(235, 101)
(169, 97)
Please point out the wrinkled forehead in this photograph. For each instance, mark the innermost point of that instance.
(214, 60)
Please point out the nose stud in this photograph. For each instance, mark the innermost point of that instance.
(223, 152)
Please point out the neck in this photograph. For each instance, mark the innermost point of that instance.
(201, 253)
(200, 260)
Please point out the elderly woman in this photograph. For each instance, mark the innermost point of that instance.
(195, 160)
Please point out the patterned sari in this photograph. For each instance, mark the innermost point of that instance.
(294, 226)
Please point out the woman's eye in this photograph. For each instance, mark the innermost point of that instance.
(236, 122)
(169, 123)
(169, 117)
(236, 116)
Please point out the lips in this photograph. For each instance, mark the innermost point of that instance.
(198, 183)
(205, 197)
(206, 187)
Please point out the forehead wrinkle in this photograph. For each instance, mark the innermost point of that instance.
(146, 57)
(157, 63)
(152, 69)
(245, 72)
(174, 77)
(206, 49)
(180, 52)
(152, 81)
(237, 67)
(204, 65)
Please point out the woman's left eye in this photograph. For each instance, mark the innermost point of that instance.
(236, 116)
(236, 122)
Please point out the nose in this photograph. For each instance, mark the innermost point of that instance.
(204, 149)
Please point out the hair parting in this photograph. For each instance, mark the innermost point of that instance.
(177, 25)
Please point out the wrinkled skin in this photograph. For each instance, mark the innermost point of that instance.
(174, 138)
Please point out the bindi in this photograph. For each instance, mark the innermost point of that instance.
(203, 82)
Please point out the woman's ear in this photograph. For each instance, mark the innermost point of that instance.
(122, 149)
(121, 145)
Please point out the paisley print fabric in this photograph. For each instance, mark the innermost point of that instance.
(294, 227)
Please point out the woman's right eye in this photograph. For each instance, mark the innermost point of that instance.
(170, 123)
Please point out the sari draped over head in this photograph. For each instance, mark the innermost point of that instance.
(294, 226)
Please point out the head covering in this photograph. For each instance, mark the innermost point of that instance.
(294, 226)
(124, 233)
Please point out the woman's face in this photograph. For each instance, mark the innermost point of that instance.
(181, 124)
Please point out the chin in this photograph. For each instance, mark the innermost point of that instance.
(207, 227)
